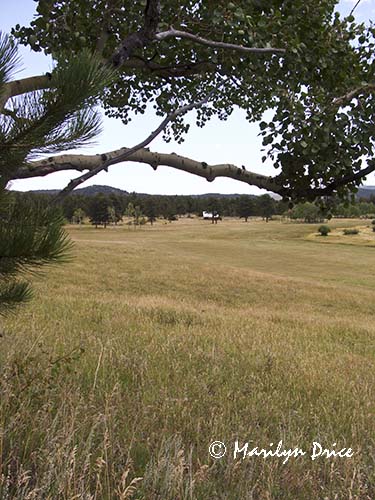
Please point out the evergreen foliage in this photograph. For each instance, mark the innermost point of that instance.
(40, 122)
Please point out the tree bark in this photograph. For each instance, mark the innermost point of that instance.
(90, 162)
(18, 87)
(172, 33)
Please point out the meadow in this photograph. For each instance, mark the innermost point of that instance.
(152, 343)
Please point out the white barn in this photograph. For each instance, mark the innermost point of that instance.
(210, 216)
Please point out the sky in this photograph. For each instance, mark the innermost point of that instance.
(232, 141)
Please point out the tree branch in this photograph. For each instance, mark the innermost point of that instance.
(355, 6)
(142, 38)
(345, 99)
(80, 163)
(124, 156)
(172, 33)
(139, 40)
(22, 86)
(104, 33)
(343, 181)
(90, 162)
(152, 17)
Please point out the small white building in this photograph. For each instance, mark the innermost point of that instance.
(210, 216)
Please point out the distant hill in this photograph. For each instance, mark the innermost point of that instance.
(97, 189)
(85, 191)
(219, 195)
(366, 192)
(363, 192)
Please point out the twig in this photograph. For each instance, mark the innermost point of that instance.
(172, 33)
(355, 6)
(107, 162)
(368, 88)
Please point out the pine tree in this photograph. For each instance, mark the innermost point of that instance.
(245, 207)
(149, 210)
(41, 122)
(98, 210)
(266, 206)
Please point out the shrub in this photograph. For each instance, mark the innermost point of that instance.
(373, 222)
(350, 231)
(324, 230)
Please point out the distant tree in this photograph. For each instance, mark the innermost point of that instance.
(135, 213)
(149, 210)
(138, 215)
(308, 212)
(213, 206)
(347, 210)
(78, 216)
(181, 206)
(366, 209)
(166, 206)
(98, 210)
(266, 206)
(245, 207)
(129, 211)
(172, 217)
(190, 205)
(118, 207)
(111, 215)
(69, 205)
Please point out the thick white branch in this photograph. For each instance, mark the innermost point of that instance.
(172, 33)
(91, 162)
(18, 87)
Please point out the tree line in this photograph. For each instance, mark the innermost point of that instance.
(104, 209)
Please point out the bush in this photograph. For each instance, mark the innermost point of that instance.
(350, 231)
(373, 222)
(324, 230)
(373, 228)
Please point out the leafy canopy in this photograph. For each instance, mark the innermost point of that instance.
(318, 136)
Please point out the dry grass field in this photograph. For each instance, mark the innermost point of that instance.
(154, 342)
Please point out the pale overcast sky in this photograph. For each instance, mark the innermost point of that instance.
(234, 141)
